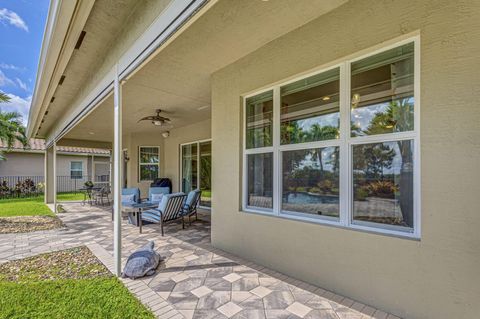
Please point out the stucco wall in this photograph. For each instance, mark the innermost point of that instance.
(190, 133)
(436, 277)
(132, 143)
(32, 164)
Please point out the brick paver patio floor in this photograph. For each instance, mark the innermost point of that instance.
(195, 280)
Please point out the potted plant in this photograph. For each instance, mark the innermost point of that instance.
(88, 184)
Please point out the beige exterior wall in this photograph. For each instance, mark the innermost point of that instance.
(436, 277)
(190, 133)
(169, 152)
(32, 164)
(23, 164)
(132, 142)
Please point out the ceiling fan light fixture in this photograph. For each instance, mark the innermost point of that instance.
(157, 123)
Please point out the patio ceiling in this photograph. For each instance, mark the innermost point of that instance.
(177, 79)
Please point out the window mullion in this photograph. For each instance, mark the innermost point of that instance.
(345, 187)
(277, 188)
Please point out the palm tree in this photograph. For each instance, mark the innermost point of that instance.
(11, 127)
(4, 97)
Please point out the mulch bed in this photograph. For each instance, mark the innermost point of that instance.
(25, 224)
(73, 263)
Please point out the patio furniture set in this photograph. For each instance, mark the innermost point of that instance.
(160, 207)
(96, 195)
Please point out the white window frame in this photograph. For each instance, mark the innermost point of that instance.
(140, 164)
(76, 170)
(180, 179)
(345, 142)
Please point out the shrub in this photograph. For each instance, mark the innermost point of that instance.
(361, 193)
(384, 189)
(325, 186)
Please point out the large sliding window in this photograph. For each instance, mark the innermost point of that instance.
(196, 169)
(340, 146)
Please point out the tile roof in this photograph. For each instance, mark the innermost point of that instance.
(36, 144)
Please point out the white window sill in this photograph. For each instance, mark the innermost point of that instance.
(326, 221)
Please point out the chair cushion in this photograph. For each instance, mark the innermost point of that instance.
(156, 198)
(142, 262)
(163, 203)
(152, 215)
(128, 199)
(132, 191)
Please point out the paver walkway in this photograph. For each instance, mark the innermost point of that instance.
(195, 280)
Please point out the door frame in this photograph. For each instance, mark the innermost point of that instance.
(180, 176)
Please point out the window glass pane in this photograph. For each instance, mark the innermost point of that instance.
(148, 172)
(310, 109)
(189, 167)
(76, 170)
(311, 181)
(206, 173)
(259, 112)
(149, 155)
(260, 180)
(382, 92)
(383, 183)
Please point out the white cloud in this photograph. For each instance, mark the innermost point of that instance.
(10, 17)
(7, 66)
(5, 81)
(21, 84)
(18, 104)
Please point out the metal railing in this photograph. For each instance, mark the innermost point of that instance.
(33, 186)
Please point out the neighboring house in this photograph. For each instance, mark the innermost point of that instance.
(338, 139)
(75, 165)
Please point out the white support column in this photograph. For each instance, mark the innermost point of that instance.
(92, 169)
(54, 176)
(117, 173)
(50, 175)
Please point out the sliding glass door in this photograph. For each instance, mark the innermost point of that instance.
(196, 169)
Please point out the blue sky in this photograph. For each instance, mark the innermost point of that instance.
(22, 23)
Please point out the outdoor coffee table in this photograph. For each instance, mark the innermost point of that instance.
(135, 216)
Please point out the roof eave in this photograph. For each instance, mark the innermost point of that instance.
(65, 21)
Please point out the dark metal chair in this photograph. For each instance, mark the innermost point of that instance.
(190, 207)
(169, 209)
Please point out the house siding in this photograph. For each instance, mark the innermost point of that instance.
(435, 277)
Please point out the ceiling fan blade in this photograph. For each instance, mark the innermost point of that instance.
(146, 118)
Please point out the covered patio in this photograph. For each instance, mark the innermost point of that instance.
(194, 280)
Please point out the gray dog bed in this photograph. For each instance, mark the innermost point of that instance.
(142, 262)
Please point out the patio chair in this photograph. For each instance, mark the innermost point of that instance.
(154, 192)
(169, 209)
(190, 207)
(128, 199)
(101, 195)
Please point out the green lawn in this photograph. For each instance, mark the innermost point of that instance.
(70, 196)
(24, 207)
(69, 298)
(71, 283)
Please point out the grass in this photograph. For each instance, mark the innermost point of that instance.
(70, 196)
(24, 207)
(69, 298)
(66, 284)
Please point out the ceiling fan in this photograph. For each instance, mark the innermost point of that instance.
(157, 120)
